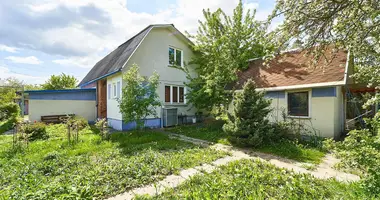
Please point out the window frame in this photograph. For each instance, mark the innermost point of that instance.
(175, 56)
(308, 103)
(109, 90)
(114, 90)
(118, 89)
(171, 93)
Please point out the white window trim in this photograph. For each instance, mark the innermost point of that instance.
(171, 95)
(309, 102)
(175, 57)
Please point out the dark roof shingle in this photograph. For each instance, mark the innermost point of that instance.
(293, 68)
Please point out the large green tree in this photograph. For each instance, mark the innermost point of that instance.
(139, 96)
(62, 81)
(348, 24)
(223, 45)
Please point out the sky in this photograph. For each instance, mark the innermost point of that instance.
(39, 38)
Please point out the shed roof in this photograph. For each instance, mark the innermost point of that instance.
(293, 68)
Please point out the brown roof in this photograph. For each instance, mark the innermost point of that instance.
(295, 68)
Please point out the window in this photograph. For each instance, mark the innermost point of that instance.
(175, 56)
(167, 94)
(118, 88)
(114, 90)
(181, 94)
(109, 91)
(298, 104)
(174, 94)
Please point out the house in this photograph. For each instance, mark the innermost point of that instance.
(316, 96)
(156, 48)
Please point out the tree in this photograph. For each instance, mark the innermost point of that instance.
(139, 96)
(58, 82)
(248, 125)
(223, 45)
(349, 24)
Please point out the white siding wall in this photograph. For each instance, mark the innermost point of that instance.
(113, 110)
(152, 55)
(326, 113)
(38, 108)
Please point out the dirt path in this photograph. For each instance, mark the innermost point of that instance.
(322, 171)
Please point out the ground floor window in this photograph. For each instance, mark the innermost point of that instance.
(298, 104)
(174, 94)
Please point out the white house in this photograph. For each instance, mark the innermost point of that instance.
(156, 48)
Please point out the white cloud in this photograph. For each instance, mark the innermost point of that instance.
(78, 30)
(5, 72)
(83, 62)
(32, 60)
(7, 48)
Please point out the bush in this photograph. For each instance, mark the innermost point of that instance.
(35, 131)
(361, 150)
(248, 125)
(9, 110)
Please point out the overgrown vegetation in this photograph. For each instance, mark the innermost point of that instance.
(286, 146)
(223, 45)
(248, 179)
(361, 151)
(92, 168)
(8, 115)
(139, 96)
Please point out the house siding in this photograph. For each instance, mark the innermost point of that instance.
(152, 55)
(113, 110)
(325, 112)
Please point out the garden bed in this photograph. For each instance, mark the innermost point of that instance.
(92, 168)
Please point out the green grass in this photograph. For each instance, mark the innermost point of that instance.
(213, 132)
(93, 168)
(248, 179)
(210, 132)
(294, 151)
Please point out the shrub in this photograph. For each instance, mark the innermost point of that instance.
(9, 110)
(248, 124)
(35, 131)
(361, 150)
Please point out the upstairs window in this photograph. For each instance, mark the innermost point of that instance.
(298, 104)
(175, 56)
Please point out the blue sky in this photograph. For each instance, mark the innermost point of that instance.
(39, 38)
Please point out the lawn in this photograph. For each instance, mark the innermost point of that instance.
(211, 132)
(289, 149)
(93, 168)
(248, 179)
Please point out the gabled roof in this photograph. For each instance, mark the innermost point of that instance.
(116, 60)
(294, 68)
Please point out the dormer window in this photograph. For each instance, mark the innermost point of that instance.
(175, 57)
